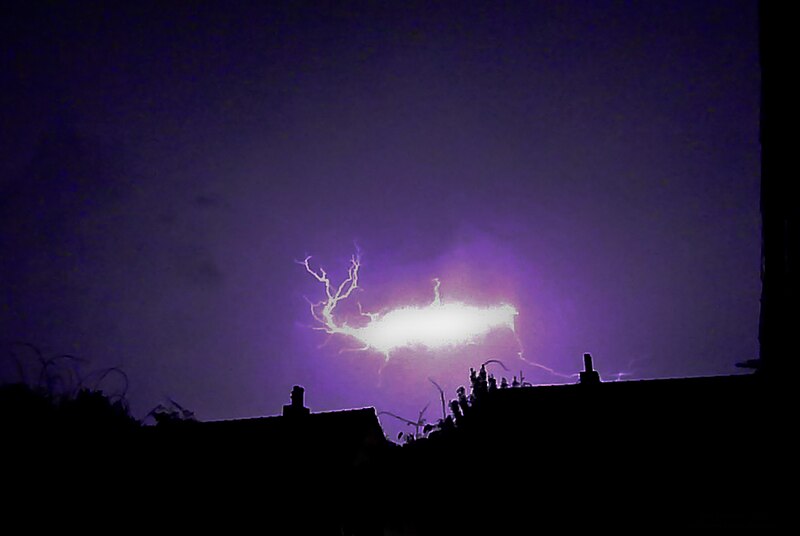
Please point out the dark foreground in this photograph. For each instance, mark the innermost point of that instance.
(644, 455)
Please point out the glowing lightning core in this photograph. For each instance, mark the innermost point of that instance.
(433, 326)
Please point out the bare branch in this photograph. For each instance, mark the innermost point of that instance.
(441, 395)
(398, 417)
(495, 361)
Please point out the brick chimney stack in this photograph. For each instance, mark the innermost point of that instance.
(589, 376)
(296, 408)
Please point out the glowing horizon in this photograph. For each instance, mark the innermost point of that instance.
(434, 326)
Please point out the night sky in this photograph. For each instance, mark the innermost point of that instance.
(165, 164)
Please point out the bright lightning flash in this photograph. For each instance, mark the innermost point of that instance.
(434, 326)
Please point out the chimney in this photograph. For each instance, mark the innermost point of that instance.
(589, 376)
(296, 408)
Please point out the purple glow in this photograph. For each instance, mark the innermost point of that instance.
(594, 164)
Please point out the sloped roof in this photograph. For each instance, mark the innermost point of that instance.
(327, 439)
(360, 421)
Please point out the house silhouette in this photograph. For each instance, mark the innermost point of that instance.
(668, 453)
(327, 441)
(295, 473)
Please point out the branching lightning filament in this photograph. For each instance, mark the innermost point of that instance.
(434, 326)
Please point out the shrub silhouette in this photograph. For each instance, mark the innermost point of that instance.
(57, 397)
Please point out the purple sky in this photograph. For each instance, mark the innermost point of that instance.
(163, 166)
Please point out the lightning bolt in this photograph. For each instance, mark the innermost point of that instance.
(437, 325)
